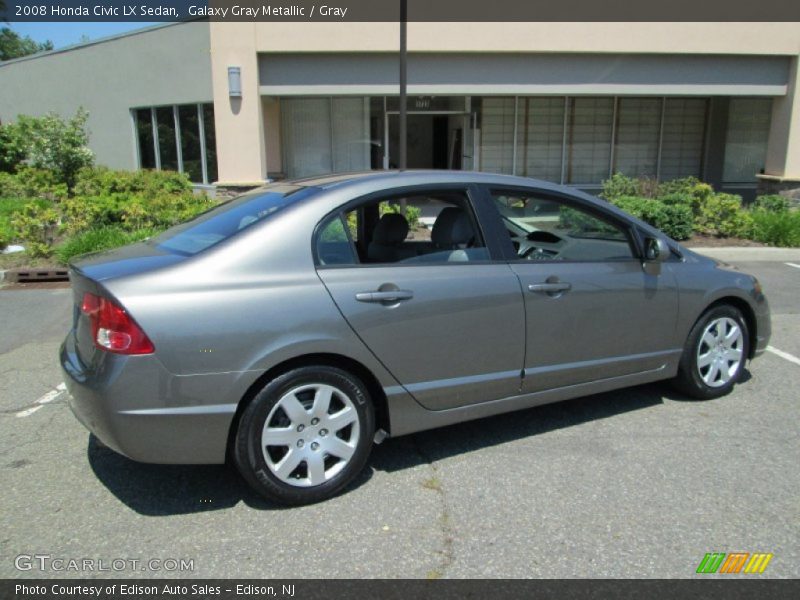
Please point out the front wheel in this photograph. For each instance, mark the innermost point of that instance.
(714, 355)
(305, 435)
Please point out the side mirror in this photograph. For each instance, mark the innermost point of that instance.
(656, 249)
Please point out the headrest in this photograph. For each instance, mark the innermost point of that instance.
(452, 228)
(392, 229)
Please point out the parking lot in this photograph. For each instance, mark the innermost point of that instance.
(634, 483)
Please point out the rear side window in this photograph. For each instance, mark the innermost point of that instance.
(333, 244)
(228, 219)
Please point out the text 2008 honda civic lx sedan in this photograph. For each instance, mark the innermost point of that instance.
(294, 326)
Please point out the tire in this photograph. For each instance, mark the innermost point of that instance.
(306, 435)
(714, 355)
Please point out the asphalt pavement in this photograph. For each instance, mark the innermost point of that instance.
(634, 483)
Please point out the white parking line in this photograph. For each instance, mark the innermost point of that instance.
(46, 399)
(793, 265)
(785, 355)
(29, 411)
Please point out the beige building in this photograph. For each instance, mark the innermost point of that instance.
(238, 103)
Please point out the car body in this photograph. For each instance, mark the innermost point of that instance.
(526, 293)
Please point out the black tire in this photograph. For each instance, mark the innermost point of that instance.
(690, 379)
(251, 459)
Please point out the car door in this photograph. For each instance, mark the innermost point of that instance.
(593, 311)
(447, 322)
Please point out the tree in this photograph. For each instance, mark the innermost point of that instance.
(12, 45)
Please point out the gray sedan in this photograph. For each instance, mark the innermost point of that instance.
(290, 328)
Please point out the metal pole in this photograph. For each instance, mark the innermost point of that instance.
(403, 162)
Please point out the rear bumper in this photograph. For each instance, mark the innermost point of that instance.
(139, 409)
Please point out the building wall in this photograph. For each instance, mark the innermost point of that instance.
(163, 65)
(709, 59)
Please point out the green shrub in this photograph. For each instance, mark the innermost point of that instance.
(722, 215)
(6, 233)
(56, 144)
(774, 203)
(12, 148)
(36, 226)
(10, 187)
(619, 186)
(776, 229)
(97, 239)
(99, 181)
(676, 220)
(678, 199)
(84, 212)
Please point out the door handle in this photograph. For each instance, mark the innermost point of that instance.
(387, 296)
(550, 288)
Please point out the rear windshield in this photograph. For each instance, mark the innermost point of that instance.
(226, 220)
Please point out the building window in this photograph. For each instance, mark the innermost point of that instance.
(497, 135)
(325, 135)
(589, 152)
(144, 135)
(167, 147)
(637, 135)
(540, 123)
(191, 152)
(177, 138)
(683, 138)
(746, 139)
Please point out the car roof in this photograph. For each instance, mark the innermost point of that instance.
(388, 179)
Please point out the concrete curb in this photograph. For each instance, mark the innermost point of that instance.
(752, 254)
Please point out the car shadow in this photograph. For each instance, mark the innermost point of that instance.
(160, 490)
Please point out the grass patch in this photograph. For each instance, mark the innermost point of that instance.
(101, 238)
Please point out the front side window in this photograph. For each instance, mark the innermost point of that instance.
(543, 228)
(419, 229)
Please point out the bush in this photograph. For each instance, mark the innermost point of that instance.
(619, 186)
(12, 148)
(774, 203)
(40, 184)
(775, 228)
(100, 181)
(722, 215)
(36, 226)
(99, 238)
(6, 233)
(54, 143)
(676, 220)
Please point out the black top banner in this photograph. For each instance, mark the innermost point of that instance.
(389, 10)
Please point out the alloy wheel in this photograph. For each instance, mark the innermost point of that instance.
(720, 352)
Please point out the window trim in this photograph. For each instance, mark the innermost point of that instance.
(470, 191)
(511, 256)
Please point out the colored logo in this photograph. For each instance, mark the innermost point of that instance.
(734, 562)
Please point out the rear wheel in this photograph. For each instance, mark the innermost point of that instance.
(715, 353)
(305, 435)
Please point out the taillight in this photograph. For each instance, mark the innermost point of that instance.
(113, 329)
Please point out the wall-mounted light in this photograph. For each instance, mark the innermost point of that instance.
(235, 82)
